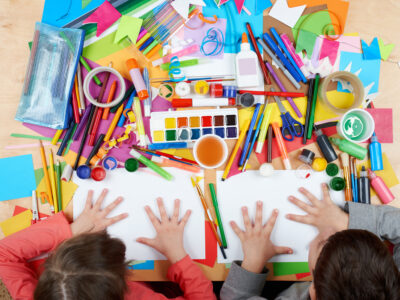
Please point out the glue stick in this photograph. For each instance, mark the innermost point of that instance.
(137, 79)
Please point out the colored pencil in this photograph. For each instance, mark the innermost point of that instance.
(249, 134)
(269, 145)
(312, 111)
(253, 140)
(46, 176)
(218, 214)
(113, 123)
(53, 182)
(59, 194)
(80, 87)
(109, 98)
(56, 136)
(84, 137)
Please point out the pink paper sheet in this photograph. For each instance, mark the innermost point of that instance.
(383, 118)
(105, 15)
(329, 49)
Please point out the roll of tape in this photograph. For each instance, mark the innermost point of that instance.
(353, 80)
(182, 89)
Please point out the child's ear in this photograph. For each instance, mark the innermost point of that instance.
(311, 290)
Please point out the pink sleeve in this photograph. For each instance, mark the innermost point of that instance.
(17, 249)
(191, 280)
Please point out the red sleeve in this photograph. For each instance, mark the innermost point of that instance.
(191, 280)
(17, 249)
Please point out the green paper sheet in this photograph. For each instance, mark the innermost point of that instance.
(315, 23)
(85, 3)
(289, 268)
(306, 41)
(385, 49)
(128, 27)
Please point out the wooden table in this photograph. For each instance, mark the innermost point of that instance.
(17, 20)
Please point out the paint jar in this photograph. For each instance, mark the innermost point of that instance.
(182, 89)
(229, 91)
(304, 171)
(131, 165)
(201, 87)
(166, 90)
(337, 183)
(245, 100)
(210, 151)
(306, 156)
(332, 170)
(98, 173)
(319, 164)
(357, 125)
(110, 163)
(216, 90)
(83, 172)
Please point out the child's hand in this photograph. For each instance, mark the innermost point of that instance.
(93, 217)
(256, 243)
(169, 238)
(322, 214)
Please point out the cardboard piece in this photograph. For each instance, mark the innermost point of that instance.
(285, 14)
(105, 15)
(385, 50)
(372, 51)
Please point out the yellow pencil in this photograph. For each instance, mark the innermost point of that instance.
(46, 176)
(53, 182)
(114, 123)
(56, 136)
(78, 98)
(235, 150)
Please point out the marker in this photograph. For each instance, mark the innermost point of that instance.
(296, 58)
(281, 146)
(288, 55)
(248, 137)
(202, 102)
(175, 145)
(217, 213)
(264, 127)
(128, 106)
(313, 104)
(148, 163)
(253, 140)
(139, 122)
(137, 78)
(59, 193)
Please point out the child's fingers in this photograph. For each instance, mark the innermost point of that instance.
(146, 241)
(163, 212)
(100, 200)
(325, 191)
(111, 206)
(89, 199)
(258, 219)
(269, 226)
(302, 205)
(153, 219)
(246, 219)
(305, 219)
(239, 232)
(185, 218)
(309, 196)
(116, 219)
(283, 250)
(175, 215)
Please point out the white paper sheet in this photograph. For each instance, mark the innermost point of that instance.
(287, 15)
(248, 187)
(143, 188)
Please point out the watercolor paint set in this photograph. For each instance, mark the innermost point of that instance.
(190, 125)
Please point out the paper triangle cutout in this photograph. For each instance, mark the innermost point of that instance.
(372, 51)
(385, 50)
(105, 15)
(182, 6)
(128, 27)
(239, 5)
(85, 3)
(329, 49)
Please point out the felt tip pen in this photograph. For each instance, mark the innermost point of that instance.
(313, 105)
(148, 163)
(281, 146)
(198, 102)
(218, 214)
(264, 127)
(295, 56)
(253, 140)
(249, 134)
(175, 145)
(147, 101)
(175, 164)
(186, 51)
(280, 94)
(288, 55)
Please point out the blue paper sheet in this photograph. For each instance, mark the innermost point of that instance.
(369, 73)
(372, 51)
(17, 177)
(147, 265)
(261, 5)
(236, 24)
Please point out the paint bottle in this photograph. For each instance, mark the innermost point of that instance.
(137, 78)
(350, 148)
(380, 187)
(375, 154)
(325, 146)
(364, 187)
(306, 156)
(247, 74)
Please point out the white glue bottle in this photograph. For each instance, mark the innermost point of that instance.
(247, 74)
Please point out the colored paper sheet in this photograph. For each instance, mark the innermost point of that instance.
(338, 9)
(235, 169)
(316, 23)
(160, 104)
(262, 5)
(285, 14)
(16, 223)
(372, 51)
(302, 275)
(146, 265)
(383, 118)
(211, 247)
(289, 268)
(197, 35)
(329, 49)
(239, 5)
(182, 6)
(387, 174)
(85, 3)
(306, 41)
(385, 50)
(19, 209)
(128, 27)
(17, 177)
(105, 15)
(236, 24)
(367, 70)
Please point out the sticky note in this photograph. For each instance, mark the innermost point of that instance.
(16, 223)
(385, 49)
(17, 174)
(372, 51)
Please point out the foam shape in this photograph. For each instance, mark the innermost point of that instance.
(105, 15)
(128, 27)
(385, 50)
(372, 51)
(285, 14)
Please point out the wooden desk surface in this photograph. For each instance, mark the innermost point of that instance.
(17, 20)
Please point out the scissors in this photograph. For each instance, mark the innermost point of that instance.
(290, 127)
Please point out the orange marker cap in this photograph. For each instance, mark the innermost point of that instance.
(244, 38)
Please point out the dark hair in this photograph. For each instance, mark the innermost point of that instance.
(86, 267)
(355, 264)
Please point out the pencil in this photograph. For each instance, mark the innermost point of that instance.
(56, 136)
(235, 150)
(309, 104)
(113, 123)
(269, 145)
(46, 175)
(78, 97)
(80, 88)
(53, 182)
(59, 194)
(217, 213)
(109, 98)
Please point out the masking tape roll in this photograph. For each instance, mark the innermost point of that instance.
(358, 90)
(182, 89)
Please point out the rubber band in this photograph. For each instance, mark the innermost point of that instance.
(213, 36)
(174, 69)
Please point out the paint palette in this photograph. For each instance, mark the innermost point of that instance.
(190, 125)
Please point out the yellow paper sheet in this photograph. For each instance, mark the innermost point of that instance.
(387, 174)
(67, 190)
(16, 223)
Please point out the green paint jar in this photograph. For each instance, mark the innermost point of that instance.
(357, 125)
(337, 183)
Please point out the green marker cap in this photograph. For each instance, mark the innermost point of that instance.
(332, 169)
(337, 184)
(131, 165)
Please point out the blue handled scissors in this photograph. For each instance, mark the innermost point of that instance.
(290, 127)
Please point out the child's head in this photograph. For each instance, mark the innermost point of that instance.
(352, 264)
(88, 266)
